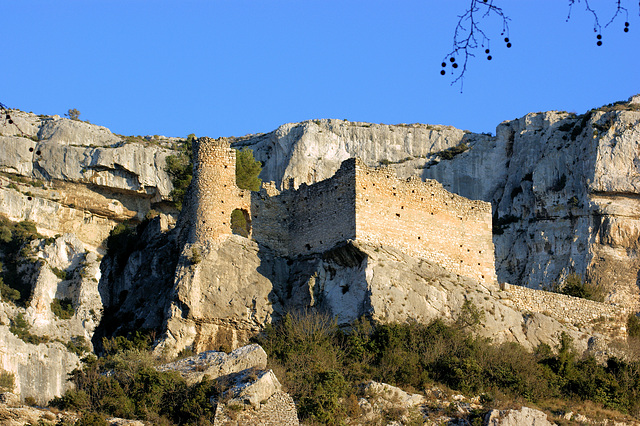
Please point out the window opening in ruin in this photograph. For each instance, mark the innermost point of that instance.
(241, 222)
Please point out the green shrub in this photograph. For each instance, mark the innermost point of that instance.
(180, 168)
(196, 257)
(247, 170)
(470, 315)
(78, 345)
(63, 309)
(91, 419)
(576, 287)
(20, 328)
(14, 245)
(633, 326)
(312, 354)
(450, 153)
(124, 383)
(63, 275)
(7, 381)
(239, 225)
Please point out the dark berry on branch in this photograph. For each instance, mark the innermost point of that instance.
(442, 72)
(599, 43)
(599, 36)
(506, 39)
(626, 29)
(444, 64)
(508, 45)
(489, 58)
(452, 59)
(486, 51)
(455, 65)
(626, 24)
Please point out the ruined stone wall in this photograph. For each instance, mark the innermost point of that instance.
(216, 193)
(270, 218)
(358, 202)
(323, 214)
(311, 219)
(573, 310)
(425, 220)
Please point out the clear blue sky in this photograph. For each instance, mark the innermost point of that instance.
(233, 67)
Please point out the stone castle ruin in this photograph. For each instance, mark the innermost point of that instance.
(358, 203)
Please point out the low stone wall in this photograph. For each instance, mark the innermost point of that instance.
(605, 317)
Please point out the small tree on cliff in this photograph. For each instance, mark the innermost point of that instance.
(73, 114)
(247, 170)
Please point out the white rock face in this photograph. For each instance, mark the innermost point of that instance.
(216, 364)
(564, 188)
(41, 369)
(73, 132)
(524, 417)
(312, 151)
(251, 391)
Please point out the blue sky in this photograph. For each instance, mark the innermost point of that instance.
(223, 68)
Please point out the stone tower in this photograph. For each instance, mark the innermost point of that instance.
(216, 192)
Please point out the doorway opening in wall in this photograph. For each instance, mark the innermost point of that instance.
(241, 222)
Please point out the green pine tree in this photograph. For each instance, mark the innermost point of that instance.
(247, 170)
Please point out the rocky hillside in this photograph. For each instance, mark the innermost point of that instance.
(106, 252)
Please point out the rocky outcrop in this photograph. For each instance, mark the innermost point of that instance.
(216, 364)
(521, 417)
(72, 176)
(252, 287)
(40, 344)
(313, 150)
(564, 188)
(249, 394)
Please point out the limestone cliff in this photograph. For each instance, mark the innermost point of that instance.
(564, 188)
(71, 176)
(75, 181)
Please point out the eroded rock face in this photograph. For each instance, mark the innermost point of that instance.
(564, 188)
(523, 417)
(251, 287)
(216, 364)
(71, 176)
(41, 369)
(312, 151)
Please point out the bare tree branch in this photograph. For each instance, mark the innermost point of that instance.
(469, 34)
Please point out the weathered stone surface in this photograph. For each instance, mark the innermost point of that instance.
(252, 387)
(392, 395)
(312, 151)
(16, 155)
(523, 417)
(41, 369)
(74, 132)
(216, 364)
(278, 409)
(9, 399)
(223, 300)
